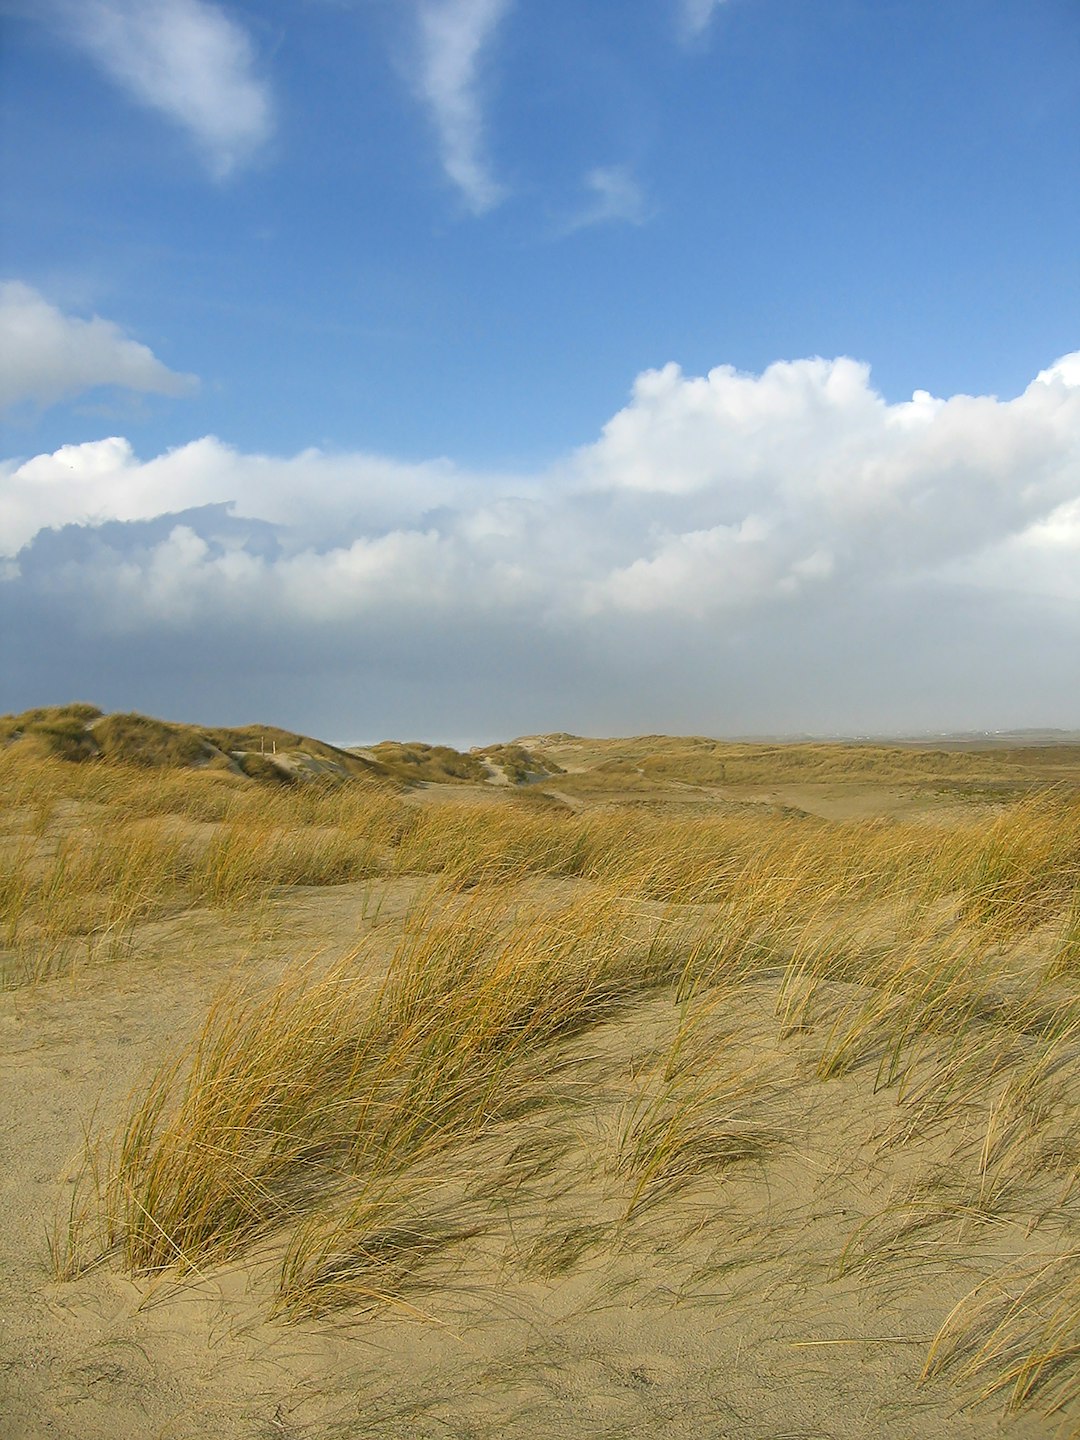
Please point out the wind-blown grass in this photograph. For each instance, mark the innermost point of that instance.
(352, 1125)
(334, 1086)
(1017, 1335)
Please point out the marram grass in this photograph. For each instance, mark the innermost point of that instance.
(346, 1123)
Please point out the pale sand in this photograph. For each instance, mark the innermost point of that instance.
(714, 1314)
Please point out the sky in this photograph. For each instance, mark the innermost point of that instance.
(463, 369)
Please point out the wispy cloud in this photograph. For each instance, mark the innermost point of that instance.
(46, 355)
(615, 196)
(694, 16)
(188, 60)
(453, 37)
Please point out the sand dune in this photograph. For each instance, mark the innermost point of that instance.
(734, 1187)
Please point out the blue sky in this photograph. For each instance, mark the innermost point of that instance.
(350, 321)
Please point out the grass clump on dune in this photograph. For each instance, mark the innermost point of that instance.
(518, 765)
(416, 762)
(60, 730)
(298, 1106)
(90, 851)
(81, 732)
(1017, 1336)
(139, 740)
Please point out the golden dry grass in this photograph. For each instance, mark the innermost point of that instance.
(354, 1126)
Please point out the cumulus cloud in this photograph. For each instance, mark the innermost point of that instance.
(453, 36)
(311, 498)
(46, 355)
(720, 515)
(1065, 371)
(816, 462)
(186, 59)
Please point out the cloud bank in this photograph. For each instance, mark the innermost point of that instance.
(186, 59)
(46, 355)
(740, 536)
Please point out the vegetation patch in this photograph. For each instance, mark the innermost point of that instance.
(439, 764)
(520, 766)
(717, 1059)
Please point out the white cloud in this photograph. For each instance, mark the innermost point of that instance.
(188, 60)
(759, 485)
(1065, 371)
(46, 355)
(693, 572)
(1043, 559)
(453, 35)
(705, 494)
(312, 497)
(793, 514)
(694, 16)
(614, 196)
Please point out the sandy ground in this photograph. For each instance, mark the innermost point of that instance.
(716, 1313)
